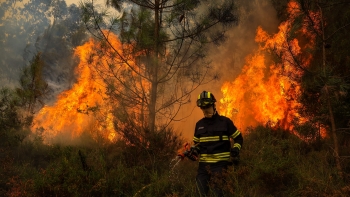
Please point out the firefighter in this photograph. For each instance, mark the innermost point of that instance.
(212, 143)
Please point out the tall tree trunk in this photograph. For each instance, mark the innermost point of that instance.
(154, 77)
(334, 134)
(329, 103)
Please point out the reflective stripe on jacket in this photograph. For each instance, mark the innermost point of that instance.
(213, 135)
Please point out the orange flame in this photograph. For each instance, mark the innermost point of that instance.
(265, 93)
(262, 94)
(86, 107)
(71, 115)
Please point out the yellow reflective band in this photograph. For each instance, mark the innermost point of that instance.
(217, 155)
(223, 154)
(213, 138)
(237, 145)
(235, 134)
(208, 94)
(212, 158)
(196, 139)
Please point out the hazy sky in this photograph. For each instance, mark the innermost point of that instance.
(78, 1)
(72, 1)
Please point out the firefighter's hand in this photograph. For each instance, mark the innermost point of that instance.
(194, 150)
(190, 155)
(234, 152)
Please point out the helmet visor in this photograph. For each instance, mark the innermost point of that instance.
(205, 102)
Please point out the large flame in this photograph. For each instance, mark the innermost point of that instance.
(265, 92)
(84, 107)
(103, 69)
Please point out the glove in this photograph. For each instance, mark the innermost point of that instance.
(234, 152)
(193, 153)
(194, 150)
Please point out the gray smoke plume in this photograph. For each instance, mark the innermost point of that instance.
(229, 58)
(45, 26)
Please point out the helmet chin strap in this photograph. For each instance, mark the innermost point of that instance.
(214, 112)
(214, 109)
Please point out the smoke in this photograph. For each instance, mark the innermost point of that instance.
(49, 27)
(229, 58)
(19, 28)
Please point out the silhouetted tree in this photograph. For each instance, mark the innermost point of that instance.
(323, 25)
(33, 88)
(161, 59)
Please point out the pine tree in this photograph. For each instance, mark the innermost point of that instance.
(168, 39)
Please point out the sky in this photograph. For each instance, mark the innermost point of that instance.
(69, 2)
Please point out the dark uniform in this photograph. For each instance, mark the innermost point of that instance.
(213, 135)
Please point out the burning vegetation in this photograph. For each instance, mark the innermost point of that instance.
(267, 90)
(265, 93)
(91, 104)
(82, 108)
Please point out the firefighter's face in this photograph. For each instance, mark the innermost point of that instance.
(208, 111)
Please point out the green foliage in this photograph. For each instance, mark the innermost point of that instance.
(33, 87)
(9, 118)
(138, 30)
(15, 120)
(272, 163)
(277, 163)
(113, 169)
(271, 158)
(314, 98)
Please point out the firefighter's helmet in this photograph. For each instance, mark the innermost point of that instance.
(205, 99)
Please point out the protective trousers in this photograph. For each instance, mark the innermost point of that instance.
(207, 171)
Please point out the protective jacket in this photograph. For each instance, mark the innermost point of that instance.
(213, 135)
